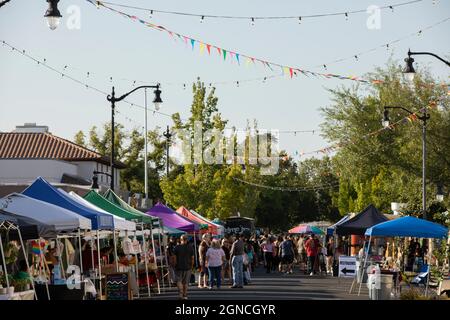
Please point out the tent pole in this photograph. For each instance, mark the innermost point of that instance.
(4, 262)
(99, 265)
(115, 250)
(144, 247)
(81, 255)
(154, 253)
(44, 265)
(366, 254)
(162, 262)
(137, 267)
(26, 261)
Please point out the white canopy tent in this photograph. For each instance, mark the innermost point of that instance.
(119, 223)
(62, 219)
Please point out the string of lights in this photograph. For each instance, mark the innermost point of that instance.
(252, 19)
(289, 189)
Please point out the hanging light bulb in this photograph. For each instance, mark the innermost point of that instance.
(202, 18)
(253, 21)
(346, 16)
(151, 14)
(299, 20)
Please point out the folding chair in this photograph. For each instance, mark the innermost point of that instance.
(421, 278)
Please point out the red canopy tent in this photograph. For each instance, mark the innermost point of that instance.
(191, 217)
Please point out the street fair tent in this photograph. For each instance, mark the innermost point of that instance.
(220, 229)
(171, 219)
(357, 225)
(29, 228)
(115, 199)
(42, 190)
(408, 227)
(185, 213)
(330, 229)
(306, 228)
(57, 218)
(119, 222)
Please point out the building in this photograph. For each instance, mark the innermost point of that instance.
(31, 151)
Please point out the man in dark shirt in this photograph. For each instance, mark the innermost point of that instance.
(184, 262)
(237, 262)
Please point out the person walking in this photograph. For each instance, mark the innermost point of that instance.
(202, 248)
(330, 255)
(287, 254)
(170, 247)
(277, 254)
(215, 257)
(237, 262)
(226, 268)
(184, 262)
(267, 248)
(312, 247)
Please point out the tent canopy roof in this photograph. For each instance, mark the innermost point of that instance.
(185, 213)
(119, 222)
(115, 199)
(171, 218)
(59, 218)
(29, 228)
(408, 227)
(42, 190)
(330, 229)
(357, 225)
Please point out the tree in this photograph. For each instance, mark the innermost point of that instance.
(386, 167)
(80, 138)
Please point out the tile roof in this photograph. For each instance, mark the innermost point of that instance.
(15, 145)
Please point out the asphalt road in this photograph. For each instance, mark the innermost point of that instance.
(276, 286)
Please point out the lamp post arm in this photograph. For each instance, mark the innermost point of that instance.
(127, 94)
(105, 173)
(430, 54)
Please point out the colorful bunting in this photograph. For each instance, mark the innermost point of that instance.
(270, 65)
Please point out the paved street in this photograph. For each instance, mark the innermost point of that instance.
(276, 286)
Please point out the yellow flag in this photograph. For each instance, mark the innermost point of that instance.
(202, 47)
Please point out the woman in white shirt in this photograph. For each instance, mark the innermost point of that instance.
(215, 257)
(268, 249)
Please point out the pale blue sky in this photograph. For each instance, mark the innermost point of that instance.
(108, 45)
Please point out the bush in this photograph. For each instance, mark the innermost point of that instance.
(413, 294)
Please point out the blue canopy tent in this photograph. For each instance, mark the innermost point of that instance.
(408, 227)
(330, 229)
(42, 190)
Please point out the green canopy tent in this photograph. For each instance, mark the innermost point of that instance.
(101, 202)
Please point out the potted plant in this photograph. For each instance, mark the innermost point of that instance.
(4, 285)
(11, 252)
(21, 284)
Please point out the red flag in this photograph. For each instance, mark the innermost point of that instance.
(208, 46)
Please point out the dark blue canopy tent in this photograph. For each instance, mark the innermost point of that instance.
(408, 227)
(42, 190)
(330, 229)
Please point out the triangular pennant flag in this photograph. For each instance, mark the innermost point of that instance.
(192, 43)
(219, 50)
(231, 56)
(291, 72)
(202, 46)
(247, 61)
(224, 54)
(208, 47)
(237, 58)
(185, 39)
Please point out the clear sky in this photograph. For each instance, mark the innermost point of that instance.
(108, 45)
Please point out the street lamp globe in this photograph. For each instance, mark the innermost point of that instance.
(408, 70)
(157, 101)
(52, 14)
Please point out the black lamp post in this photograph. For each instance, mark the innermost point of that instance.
(424, 117)
(409, 68)
(52, 14)
(112, 98)
(168, 135)
(95, 185)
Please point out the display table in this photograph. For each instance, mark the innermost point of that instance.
(444, 286)
(59, 292)
(24, 295)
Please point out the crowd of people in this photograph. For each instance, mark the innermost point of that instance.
(231, 260)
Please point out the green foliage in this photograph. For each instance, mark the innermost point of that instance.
(387, 167)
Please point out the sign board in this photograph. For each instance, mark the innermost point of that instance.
(118, 286)
(347, 266)
(238, 225)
